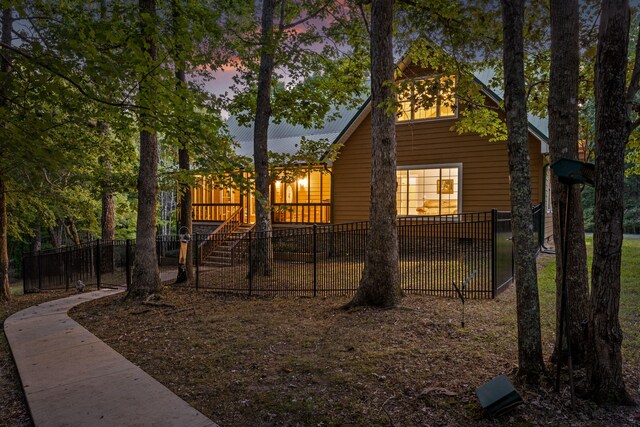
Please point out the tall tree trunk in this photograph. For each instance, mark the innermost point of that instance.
(261, 255)
(72, 231)
(530, 362)
(604, 369)
(36, 241)
(563, 143)
(108, 220)
(184, 193)
(55, 236)
(146, 276)
(4, 250)
(108, 216)
(5, 68)
(186, 208)
(380, 282)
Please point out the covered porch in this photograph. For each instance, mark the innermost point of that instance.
(305, 199)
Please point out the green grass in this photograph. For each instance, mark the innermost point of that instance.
(629, 296)
(16, 288)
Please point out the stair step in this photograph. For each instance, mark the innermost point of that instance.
(216, 264)
(215, 258)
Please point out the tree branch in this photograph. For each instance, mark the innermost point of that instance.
(531, 86)
(71, 81)
(308, 17)
(634, 86)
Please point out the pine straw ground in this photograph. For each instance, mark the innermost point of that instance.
(304, 361)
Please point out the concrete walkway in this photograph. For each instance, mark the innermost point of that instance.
(71, 378)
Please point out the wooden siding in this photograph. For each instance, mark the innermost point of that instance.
(485, 169)
(548, 229)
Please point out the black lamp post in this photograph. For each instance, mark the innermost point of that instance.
(569, 172)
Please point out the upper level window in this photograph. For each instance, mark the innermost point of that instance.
(416, 101)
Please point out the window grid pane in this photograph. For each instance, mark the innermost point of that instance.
(445, 105)
(428, 191)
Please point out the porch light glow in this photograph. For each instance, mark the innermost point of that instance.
(303, 182)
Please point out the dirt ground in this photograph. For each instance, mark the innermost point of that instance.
(304, 361)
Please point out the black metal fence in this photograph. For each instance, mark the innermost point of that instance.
(434, 252)
(96, 263)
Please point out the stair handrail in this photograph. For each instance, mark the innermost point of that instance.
(234, 246)
(213, 242)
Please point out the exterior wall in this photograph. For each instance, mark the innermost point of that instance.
(485, 169)
(548, 229)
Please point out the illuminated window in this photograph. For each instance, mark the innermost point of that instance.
(414, 100)
(430, 190)
(303, 199)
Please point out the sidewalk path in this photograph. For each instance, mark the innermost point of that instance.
(71, 378)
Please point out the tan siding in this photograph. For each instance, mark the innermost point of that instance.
(548, 229)
(485, 171)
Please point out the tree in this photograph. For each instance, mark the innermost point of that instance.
(184, 193)
(530, 362)
(260, 138)
(614, 123)
(380, 282)
(108, 217)
(563, 143)
(283, 77)
(146, 276)
(5, 69)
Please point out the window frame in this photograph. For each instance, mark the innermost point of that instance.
(412, 102)
(432, 166)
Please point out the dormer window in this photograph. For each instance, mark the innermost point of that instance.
(416, 101)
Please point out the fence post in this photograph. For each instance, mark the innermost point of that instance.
(197, 252)
(494, 241)
(39, 255)
(66, 271)
(98, 262)
(315, 262)
(127, 256)
(24, 275)
(250, 273)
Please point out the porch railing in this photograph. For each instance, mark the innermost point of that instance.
(214, 212)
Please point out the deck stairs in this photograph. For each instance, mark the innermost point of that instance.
(226, 244)
(230, 248)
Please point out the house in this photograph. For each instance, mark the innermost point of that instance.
(440, 171)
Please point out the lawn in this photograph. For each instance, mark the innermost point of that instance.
(303, 361)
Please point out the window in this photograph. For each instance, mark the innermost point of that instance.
(414, 99)
(305, 199)
(429, 190)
